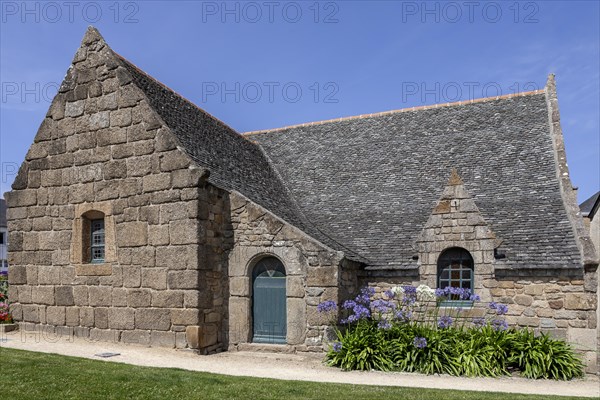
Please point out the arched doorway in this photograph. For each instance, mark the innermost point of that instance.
(269, 311)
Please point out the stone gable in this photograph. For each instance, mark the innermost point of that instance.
(101, 148)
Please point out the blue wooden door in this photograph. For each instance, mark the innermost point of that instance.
(269, 302)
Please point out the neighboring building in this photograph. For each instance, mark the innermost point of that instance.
(591, 218)
(589, 211)
(136, 216)
(3, 237)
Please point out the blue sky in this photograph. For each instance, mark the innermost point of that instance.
(266, 64)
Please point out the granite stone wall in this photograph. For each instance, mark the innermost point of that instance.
(102, 151)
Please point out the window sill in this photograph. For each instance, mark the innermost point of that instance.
(456, 304)
(103, 269)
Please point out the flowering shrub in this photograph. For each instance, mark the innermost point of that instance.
(441, 331)
(5, 317)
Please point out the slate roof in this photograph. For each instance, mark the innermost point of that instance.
(372, 182)
(234, 162)
(587, 206)
(367, 185)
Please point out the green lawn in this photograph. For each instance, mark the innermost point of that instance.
(28, 376)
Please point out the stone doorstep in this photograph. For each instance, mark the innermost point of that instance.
(264, 348)
(8, 327)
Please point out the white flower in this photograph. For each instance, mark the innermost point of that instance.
(398, 290)
(425, 293)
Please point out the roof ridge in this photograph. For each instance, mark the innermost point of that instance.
(401, 110)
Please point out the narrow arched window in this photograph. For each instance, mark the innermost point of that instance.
(93, 237)
(455, 269)
(97, 240)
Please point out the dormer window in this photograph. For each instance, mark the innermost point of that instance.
(455, 269)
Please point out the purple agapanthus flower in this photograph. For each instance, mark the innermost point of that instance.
(348, 304)
(365, 295)
(410, 290)
(501, 309)
(456, 293)
(359, 312)
(384, 324)
(383, 306)
(403, 316)
(475, 297)
(389, 294)
(478, 322)
(337, 347)
(327, 306)
(420, 342)
(444, 322)
(499, 325)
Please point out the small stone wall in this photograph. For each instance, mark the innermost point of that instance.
(562, 306)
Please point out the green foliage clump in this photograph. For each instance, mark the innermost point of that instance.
(418, 332)
(543, 357)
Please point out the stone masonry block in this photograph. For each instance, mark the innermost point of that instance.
(43, 295)
(322, 276)
(199, 337)
(162, 339)
(72, 316)
(184, 231)
(183, 279)
(55, 315)
(132, 234)
(136, 337)
(80, 295)
(121, 318)
(185, 316)
(86, 316)
(154, 278)
(31, 313)
(240, 286)
(167, 299)
(64, 296)
(156, 182)
(296, 320)
(295, 286)
(17, 275)
(100, 296)
(139, 298)
(101, 317)
(153, 319)
(580, 301)
(132, 276)
(119, 297)
(177, 257)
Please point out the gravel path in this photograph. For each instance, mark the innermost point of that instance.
(302, 367)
